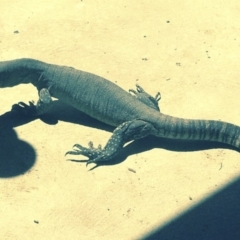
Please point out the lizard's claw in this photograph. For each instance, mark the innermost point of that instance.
(94, 154)
(22, 107)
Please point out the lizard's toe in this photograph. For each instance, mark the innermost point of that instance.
(95, 155)
(91, 152)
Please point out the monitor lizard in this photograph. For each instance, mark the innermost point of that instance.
(135, 115)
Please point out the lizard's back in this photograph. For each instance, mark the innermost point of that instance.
(95, 95)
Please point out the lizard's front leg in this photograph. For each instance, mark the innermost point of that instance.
(126, 132)
(42, 106)
(146, 98)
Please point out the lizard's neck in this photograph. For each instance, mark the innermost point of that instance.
(20, 71)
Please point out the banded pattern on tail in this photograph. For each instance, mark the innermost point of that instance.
(209, 130)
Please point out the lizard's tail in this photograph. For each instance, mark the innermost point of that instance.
(207, 130)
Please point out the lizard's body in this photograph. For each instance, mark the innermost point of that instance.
(101, 99)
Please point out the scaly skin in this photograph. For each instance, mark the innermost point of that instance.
(134, 116)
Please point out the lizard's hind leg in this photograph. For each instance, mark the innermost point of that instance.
(124, 133)
(146, 98)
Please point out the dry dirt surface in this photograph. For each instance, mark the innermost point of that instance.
(156, 189)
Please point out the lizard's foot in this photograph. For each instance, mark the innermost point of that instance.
(127, 131)
(95, 155)
(146, 98)
(21, 107)
(43, 104)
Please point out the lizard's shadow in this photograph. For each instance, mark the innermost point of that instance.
(63, 112)
(151, 142)
(18, 156)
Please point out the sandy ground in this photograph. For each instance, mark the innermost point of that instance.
(156, 189)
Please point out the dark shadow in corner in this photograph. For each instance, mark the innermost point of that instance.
(216, 218)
